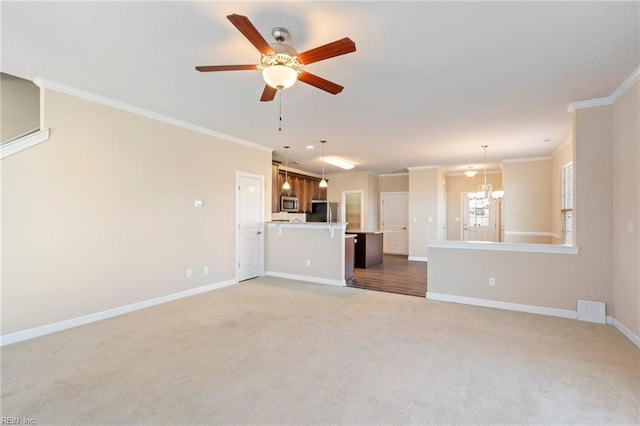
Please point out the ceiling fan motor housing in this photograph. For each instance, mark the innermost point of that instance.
(280, 34)
(284, 55)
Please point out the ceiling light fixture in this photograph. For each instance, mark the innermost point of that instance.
(286, 185)
(471, 172)
(279, 76)
(280, 70)
(323, 182)
(339, 162)
(485, 190)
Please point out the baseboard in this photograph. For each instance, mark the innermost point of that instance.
(531, 309)
(31, 333)
(625, 331)
(418, 258)
(306, 278)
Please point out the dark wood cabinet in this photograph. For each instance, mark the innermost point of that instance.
(306, 188)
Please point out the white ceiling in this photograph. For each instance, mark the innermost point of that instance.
(429, 84)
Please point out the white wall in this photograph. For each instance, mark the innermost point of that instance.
(102, 214)
(398, 182)
(626, 210)
(424, 192)
(526, 205)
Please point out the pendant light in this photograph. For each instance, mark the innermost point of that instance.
(286, 185)
(323, 182)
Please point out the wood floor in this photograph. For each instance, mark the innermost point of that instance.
(396, 274)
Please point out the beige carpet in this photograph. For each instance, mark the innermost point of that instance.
(272, 351)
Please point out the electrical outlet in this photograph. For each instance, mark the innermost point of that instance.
(205, 270)
(308, 262)
(189, 273)
(492, 281)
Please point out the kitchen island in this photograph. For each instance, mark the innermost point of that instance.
(368, 250)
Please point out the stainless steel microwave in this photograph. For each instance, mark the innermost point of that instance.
(288, 204)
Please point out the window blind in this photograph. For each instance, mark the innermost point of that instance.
(567, 236)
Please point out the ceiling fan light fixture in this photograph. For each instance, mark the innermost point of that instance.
(279, 76)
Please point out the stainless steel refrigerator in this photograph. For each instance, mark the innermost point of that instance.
(323, 211)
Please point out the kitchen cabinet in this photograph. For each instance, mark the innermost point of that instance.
(306, 188)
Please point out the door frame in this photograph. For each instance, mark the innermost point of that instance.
(343, 207)
(406, 248)
(236, 188)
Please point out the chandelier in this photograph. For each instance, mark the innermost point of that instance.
(485, 190)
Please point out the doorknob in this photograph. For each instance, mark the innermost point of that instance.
(259, 232)
(404, 228)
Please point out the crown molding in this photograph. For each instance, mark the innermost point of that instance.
(480, 173)
(626, 85)
(299, 171)
(83, 94)
(422, 168)
(384, 175)
(589, 103)
(633, 78)
(526, 160)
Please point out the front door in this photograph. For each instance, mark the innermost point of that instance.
(479, 219)
(393, 208)
(249, 226)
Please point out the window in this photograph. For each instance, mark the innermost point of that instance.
(479, 212)
(566, 204)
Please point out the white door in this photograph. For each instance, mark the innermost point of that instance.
(479, 219)
(393, 216)
(249, 226)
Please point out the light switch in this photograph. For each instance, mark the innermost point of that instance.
(457, 219)
(430, 219)
(198, 203)
(629, 226)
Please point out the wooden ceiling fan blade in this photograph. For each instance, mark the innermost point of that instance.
(331, 50)
(268, 94)
(210, 68)
(244, 25)
(320, 83)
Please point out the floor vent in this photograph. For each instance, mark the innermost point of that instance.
(592, 311)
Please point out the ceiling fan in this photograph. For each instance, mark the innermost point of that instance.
(281, 65)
